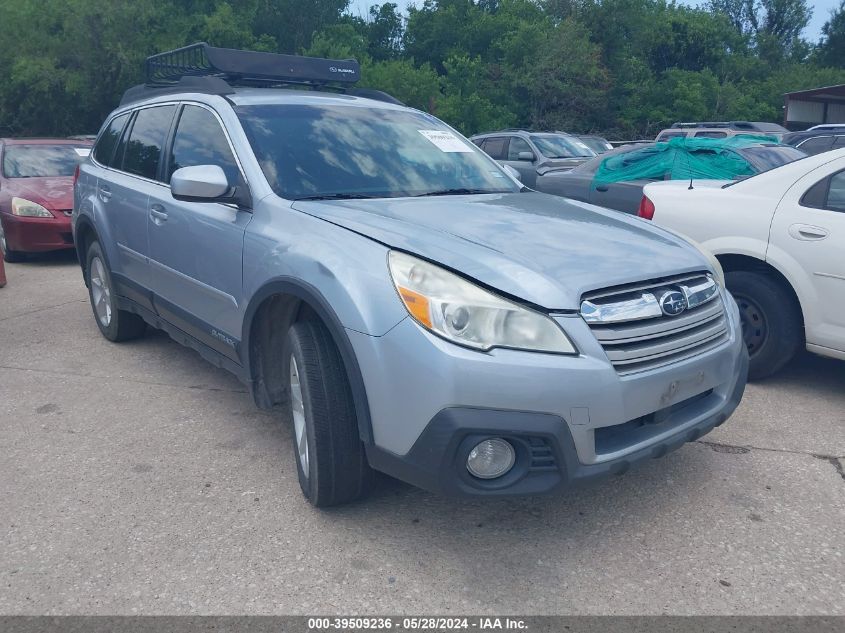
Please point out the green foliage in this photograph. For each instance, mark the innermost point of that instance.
(831, 51)
(625, 68)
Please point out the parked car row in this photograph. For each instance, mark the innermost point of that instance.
(615, 180)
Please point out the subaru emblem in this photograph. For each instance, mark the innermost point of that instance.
(673, 303)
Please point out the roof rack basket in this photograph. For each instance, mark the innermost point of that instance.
(211, 70)
(247, 67)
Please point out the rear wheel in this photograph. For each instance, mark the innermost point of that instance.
(116, 325)
(330, 457)
(771, 321)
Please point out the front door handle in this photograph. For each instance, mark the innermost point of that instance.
(808, 232)
(158, 214)
(105, 193)
(601, 188)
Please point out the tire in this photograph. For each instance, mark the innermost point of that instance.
(116, 325)
(771, 321)
(330, 457)
(11, 257)
(14, 257)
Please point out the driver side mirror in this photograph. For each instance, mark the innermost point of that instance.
(528, 156)
(206, 183)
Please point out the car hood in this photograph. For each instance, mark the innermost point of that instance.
(539, 248)
(53, 193)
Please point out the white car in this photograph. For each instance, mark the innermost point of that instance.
(780, 237)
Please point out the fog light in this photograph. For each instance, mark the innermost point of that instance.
(491, 458)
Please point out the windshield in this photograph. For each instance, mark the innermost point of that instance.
(766, 157)
(557, 146)
(40, 161)
(313, 152)
(598, 145)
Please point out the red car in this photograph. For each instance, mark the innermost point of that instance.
(36, 194)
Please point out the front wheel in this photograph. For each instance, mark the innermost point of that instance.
(116, 325)
(12, 257)
(330, 457)
(771, 321)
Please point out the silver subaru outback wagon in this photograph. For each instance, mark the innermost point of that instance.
(404, 303)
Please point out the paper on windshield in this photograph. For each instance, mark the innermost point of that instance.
(82, 151)
(445, 141)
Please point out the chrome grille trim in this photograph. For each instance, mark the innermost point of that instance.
(649, 340)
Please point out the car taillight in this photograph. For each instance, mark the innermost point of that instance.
(646, 210)
(75, 175)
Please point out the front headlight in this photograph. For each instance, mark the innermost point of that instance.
(464, 313)
(29, 209)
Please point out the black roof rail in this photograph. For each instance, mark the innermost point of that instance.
(737, 125)
(211, 70)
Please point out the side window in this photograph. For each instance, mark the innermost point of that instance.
(816, 145)
(143, 148)
(200, 140)
(518, 145)
(711, 134)
(106, 144)
(828, 193)
(495, 147)
(840, 142)
(836, 194)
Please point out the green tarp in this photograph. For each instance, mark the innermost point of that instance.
(680, 159)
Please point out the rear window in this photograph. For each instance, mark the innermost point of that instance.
(104, 150)
(42, 161)
(764, 158)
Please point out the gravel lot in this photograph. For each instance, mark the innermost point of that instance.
(137, 478)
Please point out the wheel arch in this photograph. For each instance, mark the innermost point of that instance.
(739, 262)
(84, 235)
(278, 304)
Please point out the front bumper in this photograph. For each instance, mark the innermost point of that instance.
(572, 419)
(33, 235)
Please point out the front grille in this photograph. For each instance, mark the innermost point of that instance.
(648, 340)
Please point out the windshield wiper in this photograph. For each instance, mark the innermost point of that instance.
(455, 192)
(337, 196)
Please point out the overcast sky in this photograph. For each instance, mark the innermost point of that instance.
(821, 12)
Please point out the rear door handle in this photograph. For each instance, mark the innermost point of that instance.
(808, 232)
(158, 214)
(601, 188)
(105, 193)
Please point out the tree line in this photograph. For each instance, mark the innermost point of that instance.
(622, 68)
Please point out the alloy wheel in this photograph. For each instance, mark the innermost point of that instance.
(298, 410)
(100, 292)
